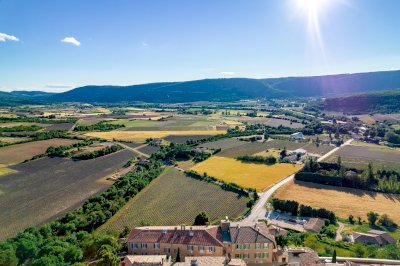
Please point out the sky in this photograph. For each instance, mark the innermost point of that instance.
(58, 45)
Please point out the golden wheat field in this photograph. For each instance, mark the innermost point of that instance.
(140, 136)
(342, 201)
(250, 175)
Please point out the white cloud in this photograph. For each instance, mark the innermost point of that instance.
(144, 44)
(228, 73)
(71, 40)
(58, 86)
(5, 37)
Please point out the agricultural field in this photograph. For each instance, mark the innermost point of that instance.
(274, 122)
(174, 199)
(249, 175)
(60, 126)
(342, 201)
(247, 149)
(16, 124)
(223, 144)
(148, 149)
(360, 156)
(141, 136)
(183, 139)
(21, 152)
(45, 189)
(13, 139)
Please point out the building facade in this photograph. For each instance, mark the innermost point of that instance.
(252, 243)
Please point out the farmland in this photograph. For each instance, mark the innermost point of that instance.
(343, 201)
(141, 136)
(174, 199)
(360, 156)
(45, 189)
(21, 152)
(274, 122)
(258, 176)
(234, 148)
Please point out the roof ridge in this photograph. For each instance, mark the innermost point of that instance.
(213, 236)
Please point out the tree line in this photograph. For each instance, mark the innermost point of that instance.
(297, 209)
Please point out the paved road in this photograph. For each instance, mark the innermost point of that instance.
(259, 211)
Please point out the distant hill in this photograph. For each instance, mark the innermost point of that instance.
(31, 94)
(22, 97)
(225, 90)
(373, 102)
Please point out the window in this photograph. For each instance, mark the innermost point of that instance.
(201, 249)
(238, 246)
(144, 245)
(190, 247)
(135, 246)
(242, 256)
(261, 255)
(167, 250)
(211, 249)
(156, 245)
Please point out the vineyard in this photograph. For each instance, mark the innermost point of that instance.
(45, 189)
(174, 199)
(21, 152)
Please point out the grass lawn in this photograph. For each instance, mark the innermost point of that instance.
(342, 201)
(249, 175)
(174, 199)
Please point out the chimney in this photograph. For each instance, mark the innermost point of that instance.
(225, 224)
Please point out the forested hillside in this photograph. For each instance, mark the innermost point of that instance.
(374, 102)
(236, 89)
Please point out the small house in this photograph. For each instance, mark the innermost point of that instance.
(297, 136)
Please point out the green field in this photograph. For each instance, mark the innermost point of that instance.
(174, 199)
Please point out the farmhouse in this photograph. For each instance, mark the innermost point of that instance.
(297, 136)
(376, 237)
(314, 225)
(251, 242)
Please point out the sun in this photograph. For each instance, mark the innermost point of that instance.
(311, 6)
(313, 11)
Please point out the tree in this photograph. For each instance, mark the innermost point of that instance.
(107, 256)
(178, 256)
(334, 256)
(201, 219)
(359, 220)
(387, 222)
(372, 218)
(370, 174)
(351, 219)
(283, 153)
(282, 241)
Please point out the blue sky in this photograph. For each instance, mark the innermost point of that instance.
(125, 42)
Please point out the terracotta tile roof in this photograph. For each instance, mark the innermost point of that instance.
(314, 225)
(207, 236)
(252, 233)
(309, 259)
(374, 237)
